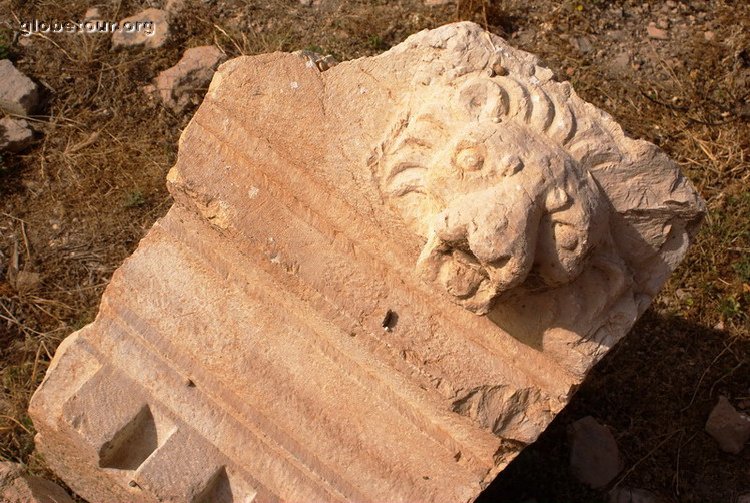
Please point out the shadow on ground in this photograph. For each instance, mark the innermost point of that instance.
(655, 390)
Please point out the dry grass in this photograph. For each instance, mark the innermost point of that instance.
(76, 204)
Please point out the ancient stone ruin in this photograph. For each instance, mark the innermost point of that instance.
(378, 282)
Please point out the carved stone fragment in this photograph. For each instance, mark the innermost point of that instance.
(377, 283)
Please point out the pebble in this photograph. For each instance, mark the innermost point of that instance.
(92, 14)
(621, 62)
(173, 7)
(319, 61)
(157, 38)
(594, 456)
(582, 44)
(730, 429)
(27, 281)
(15, 134)
(657, 33)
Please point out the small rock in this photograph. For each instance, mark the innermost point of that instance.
(632, 495)
(176, 86)
(319, 61)
(525, 36)
(19, 95)
(621, 62)
(16, 486)
(709, 35)
(617, 35)
(151, 37)
(15, 134)
(27, 281)
(92, 14)
(729, 428)
(594, 456)
(681, 294)
(582, 44)
(744, 498)
(174, 6)
(657, 33)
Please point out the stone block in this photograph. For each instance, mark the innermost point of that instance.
(377, 283)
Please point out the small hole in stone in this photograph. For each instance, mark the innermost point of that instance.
(389, 320)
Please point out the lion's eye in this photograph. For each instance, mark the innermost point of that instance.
(470, 159)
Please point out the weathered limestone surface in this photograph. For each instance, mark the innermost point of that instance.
(512, 231)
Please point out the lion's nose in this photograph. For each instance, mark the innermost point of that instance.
(488, 236)
(481, 225)
(494, 227)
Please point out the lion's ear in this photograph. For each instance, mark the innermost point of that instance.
(482, 99)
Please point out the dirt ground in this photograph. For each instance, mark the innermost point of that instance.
(76, 203)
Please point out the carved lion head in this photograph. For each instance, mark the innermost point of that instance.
(486, 179)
